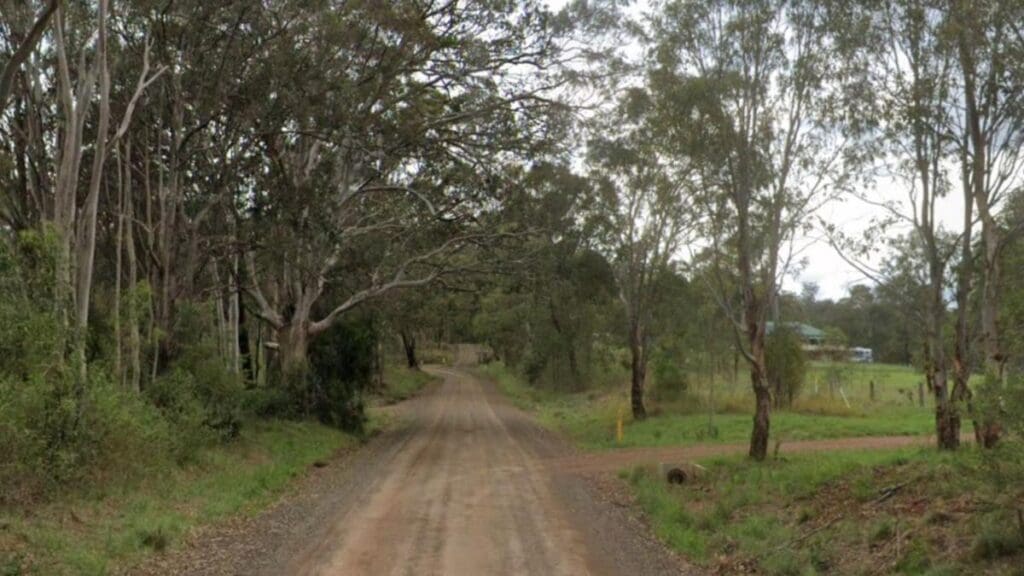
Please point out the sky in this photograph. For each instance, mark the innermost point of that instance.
(826, 267)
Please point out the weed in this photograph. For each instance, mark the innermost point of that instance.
(882, 532)
(995, 541)
(916, 559)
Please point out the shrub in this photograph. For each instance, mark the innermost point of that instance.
(57, 433)
(341, 369)
(670, 379)
(786, 365)
(174, 394)
(56, 429)
(202, 371)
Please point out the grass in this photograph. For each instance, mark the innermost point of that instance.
(590, 417)
(811, 513)
(401, 383)
(821, 513)
(102, 533)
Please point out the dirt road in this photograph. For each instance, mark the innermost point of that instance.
(466, 487)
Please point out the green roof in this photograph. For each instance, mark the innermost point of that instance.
(806, 331)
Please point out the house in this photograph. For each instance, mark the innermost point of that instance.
(810, 335)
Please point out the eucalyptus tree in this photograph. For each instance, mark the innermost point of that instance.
(21, 43)
(915, 87)
(746, 90)
(989, 54)
(390, 127)
(644, 211)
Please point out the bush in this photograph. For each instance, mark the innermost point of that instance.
(175, 395)
(57, 433)
(786, 365)
(199, 369)
(56, 429)
(670, 379)
(341, 369)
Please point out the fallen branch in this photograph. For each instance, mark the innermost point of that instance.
(891, 491)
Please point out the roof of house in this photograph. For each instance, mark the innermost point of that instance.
(806, 331)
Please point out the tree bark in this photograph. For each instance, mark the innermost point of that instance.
(991, 236)
(134, 335)
(119, 249)
(409, 345)
(293, 348)
(946, 420)
(961, 395)
(638, 352)
(762, 390)
(762, 419)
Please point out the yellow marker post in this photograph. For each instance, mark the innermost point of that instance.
(618, 428)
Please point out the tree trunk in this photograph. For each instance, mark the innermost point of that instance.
(119, 248)
(762, 420)
(638, 372)
(947, 423)
(961, 396)
(574, 366)
(134, 336)
(409, 345)
(87, 234)
(762, 395)
(995, 359)
(293, 356)
(293, 348)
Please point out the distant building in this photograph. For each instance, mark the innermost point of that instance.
(813, 344)
(862, 355)
(810, 335)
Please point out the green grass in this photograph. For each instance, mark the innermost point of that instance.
(590, 418)
(102, 533)
(401, 383)
(810, 514)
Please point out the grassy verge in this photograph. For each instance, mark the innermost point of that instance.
(102, 533)
(590, 418)
(401, 383)
(834, 513)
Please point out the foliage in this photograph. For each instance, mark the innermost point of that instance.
(669, 366)
(786, 365)
(341, 371)
(57, 435)
(58, 430)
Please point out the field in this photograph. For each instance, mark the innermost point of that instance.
(847, 410)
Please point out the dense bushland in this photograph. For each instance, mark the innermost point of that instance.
(60, 431)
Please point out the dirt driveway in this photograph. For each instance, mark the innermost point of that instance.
(468, 486)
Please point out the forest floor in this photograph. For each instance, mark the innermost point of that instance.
(464, 483)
